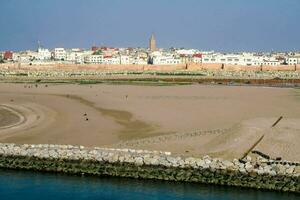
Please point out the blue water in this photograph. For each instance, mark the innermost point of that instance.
(31, 185)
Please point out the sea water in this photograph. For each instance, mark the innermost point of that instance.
(27, 185)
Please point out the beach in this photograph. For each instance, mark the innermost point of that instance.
(193, 120)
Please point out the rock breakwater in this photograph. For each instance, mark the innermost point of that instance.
(73, 72)
(251, 172)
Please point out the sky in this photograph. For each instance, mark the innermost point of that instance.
(220, 25)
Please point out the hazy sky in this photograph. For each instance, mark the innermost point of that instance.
(221, 25)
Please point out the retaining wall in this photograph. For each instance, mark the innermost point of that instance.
(279, 68)
(188, 66)
(230, 67)
(201, 66)
(242, 68)
(150, 165)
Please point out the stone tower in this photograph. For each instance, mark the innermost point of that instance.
(152, 43)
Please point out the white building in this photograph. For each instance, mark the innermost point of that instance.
(70, 56)
(166, 60)
(76, 55)
(101, 59)
(239, 59)
(24, 57)
(189, 52)
(43, 54)
(126, 60)
(293, 60)
(140, 61)
(20, 57)
(111, 60)
(197, 58)
(79, 56)
(59, 54)
(271, 62)
(93, 59)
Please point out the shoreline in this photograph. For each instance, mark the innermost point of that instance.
(257, 173)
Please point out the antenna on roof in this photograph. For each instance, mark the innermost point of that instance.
(39, 44)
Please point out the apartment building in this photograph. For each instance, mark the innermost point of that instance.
(59, 54)
(197, 58)
(76, 56)
(102, 59)
(140, 60)
(43, 54)
(125, 60)
(166, 60)
(240, 59)
(293, 60)
(94, 59)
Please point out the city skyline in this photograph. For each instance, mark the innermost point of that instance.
(228, 26)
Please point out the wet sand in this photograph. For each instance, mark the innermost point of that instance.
(9, 117)
(124, 115)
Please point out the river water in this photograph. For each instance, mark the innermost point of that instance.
(27, 185)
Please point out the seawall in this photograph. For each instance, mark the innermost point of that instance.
(230, 67)
(133, 67)
(254, 173)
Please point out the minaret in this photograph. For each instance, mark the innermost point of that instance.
(152, 43)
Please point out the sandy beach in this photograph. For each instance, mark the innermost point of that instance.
(221, 121)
